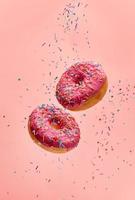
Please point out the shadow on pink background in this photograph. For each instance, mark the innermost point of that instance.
(37, 44)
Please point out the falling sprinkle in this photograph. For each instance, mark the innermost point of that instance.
(36, 167)
(43, 44)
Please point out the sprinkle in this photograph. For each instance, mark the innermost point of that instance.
(42, 60)
(55, 38)
(36, 167)
(27, 89)
(109, 128)
(76, 26)
(59, 49)
(93, 177)
(49, 180)
(78, 4)
(42, 106)
(86, 5)
(43, 44)
(60, 143)
(56, 78)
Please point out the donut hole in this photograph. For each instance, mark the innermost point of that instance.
(56, 123)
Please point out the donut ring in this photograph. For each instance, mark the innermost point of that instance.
(53, 129)
(81, 86)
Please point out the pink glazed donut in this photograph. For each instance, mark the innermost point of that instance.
(81, 86)
(53, 129)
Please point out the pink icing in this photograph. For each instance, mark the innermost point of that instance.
(80, 82)
(40, 123)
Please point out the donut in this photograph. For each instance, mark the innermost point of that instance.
(81, 86)
(53, 129)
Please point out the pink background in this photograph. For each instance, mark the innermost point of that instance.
(102, 167)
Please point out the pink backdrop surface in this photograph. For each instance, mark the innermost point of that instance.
(38, 40)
